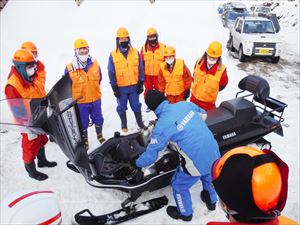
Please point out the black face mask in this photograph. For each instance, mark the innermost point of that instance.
(153, 42)
(124, 44)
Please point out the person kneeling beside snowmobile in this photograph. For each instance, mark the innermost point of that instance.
(183, 123)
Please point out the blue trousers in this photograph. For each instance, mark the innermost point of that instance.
(128, 94)
(90, 110)
(182, 182)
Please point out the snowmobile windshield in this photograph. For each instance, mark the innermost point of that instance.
(258, 27)
(18, 114)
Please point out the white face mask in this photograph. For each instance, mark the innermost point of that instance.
(170, 60)
(83, 58)
(211, 61)
(30, 72)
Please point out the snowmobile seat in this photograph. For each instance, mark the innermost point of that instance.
(116, 152)
(231, 114)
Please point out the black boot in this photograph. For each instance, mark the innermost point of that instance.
(33, 173)
(205, 197)
(42, 160)
(123, 118)
(100, 137)
(173, 212)
(139, 120)
(85, 139)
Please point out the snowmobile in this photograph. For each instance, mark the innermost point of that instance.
(245, 119)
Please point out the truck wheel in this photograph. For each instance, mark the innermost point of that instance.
(230, 44)
(275, 59)
(242, 57)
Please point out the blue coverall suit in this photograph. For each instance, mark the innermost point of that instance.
(127, 92)
(182, 124)
(91, 109)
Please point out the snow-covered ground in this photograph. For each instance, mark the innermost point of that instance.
(189, 26)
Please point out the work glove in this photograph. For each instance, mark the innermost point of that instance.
(187, 94)
(140, 87)
(116, 91)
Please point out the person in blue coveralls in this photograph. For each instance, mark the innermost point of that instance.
(183, 124)
(126, 75)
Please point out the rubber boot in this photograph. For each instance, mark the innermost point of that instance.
(173, 212)
(33, 173)
(205, 197)
(42, 160)
(85, 139)
(139, 120)
(123, 118)
(100, 137)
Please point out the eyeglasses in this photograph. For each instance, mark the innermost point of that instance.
(29, 66)
(152, 37)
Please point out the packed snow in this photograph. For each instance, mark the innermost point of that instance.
(189, 26)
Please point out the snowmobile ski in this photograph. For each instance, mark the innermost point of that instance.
(121, 215)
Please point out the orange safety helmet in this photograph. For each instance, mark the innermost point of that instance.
(214, 49)
(122, 32)
(251, 182)
(21, 59)
(80, 43)
(151, 31)
(169, 51)
(23, 56)
(29, 46)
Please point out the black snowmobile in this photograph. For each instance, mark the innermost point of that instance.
(246, 119)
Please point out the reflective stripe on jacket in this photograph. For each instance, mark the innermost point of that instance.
(85, 85)
(126, 69)
(174, 79)
(206, 86)
(153, 59)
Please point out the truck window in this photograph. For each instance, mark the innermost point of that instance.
(240, 25)
(258, 27)
(263, 10)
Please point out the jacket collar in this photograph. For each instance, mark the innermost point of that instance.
(15, 72)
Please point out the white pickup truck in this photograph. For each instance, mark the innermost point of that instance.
(254, 37)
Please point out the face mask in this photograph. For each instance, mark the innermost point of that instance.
(211, 62)
(124, 44)
(30, 72)
(153, 42)
(83, 58)
(170, 60)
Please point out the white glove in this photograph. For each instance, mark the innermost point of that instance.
(203, 116)
(31, 136)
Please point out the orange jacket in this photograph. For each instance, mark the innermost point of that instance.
(17, 87)
(126, 69)
(85, 86)
(206, 86)
(280, 220)
(25, 89)
(174, 82)
(40, 79)
(152, 58)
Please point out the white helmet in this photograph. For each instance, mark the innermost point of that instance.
(31, 207)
